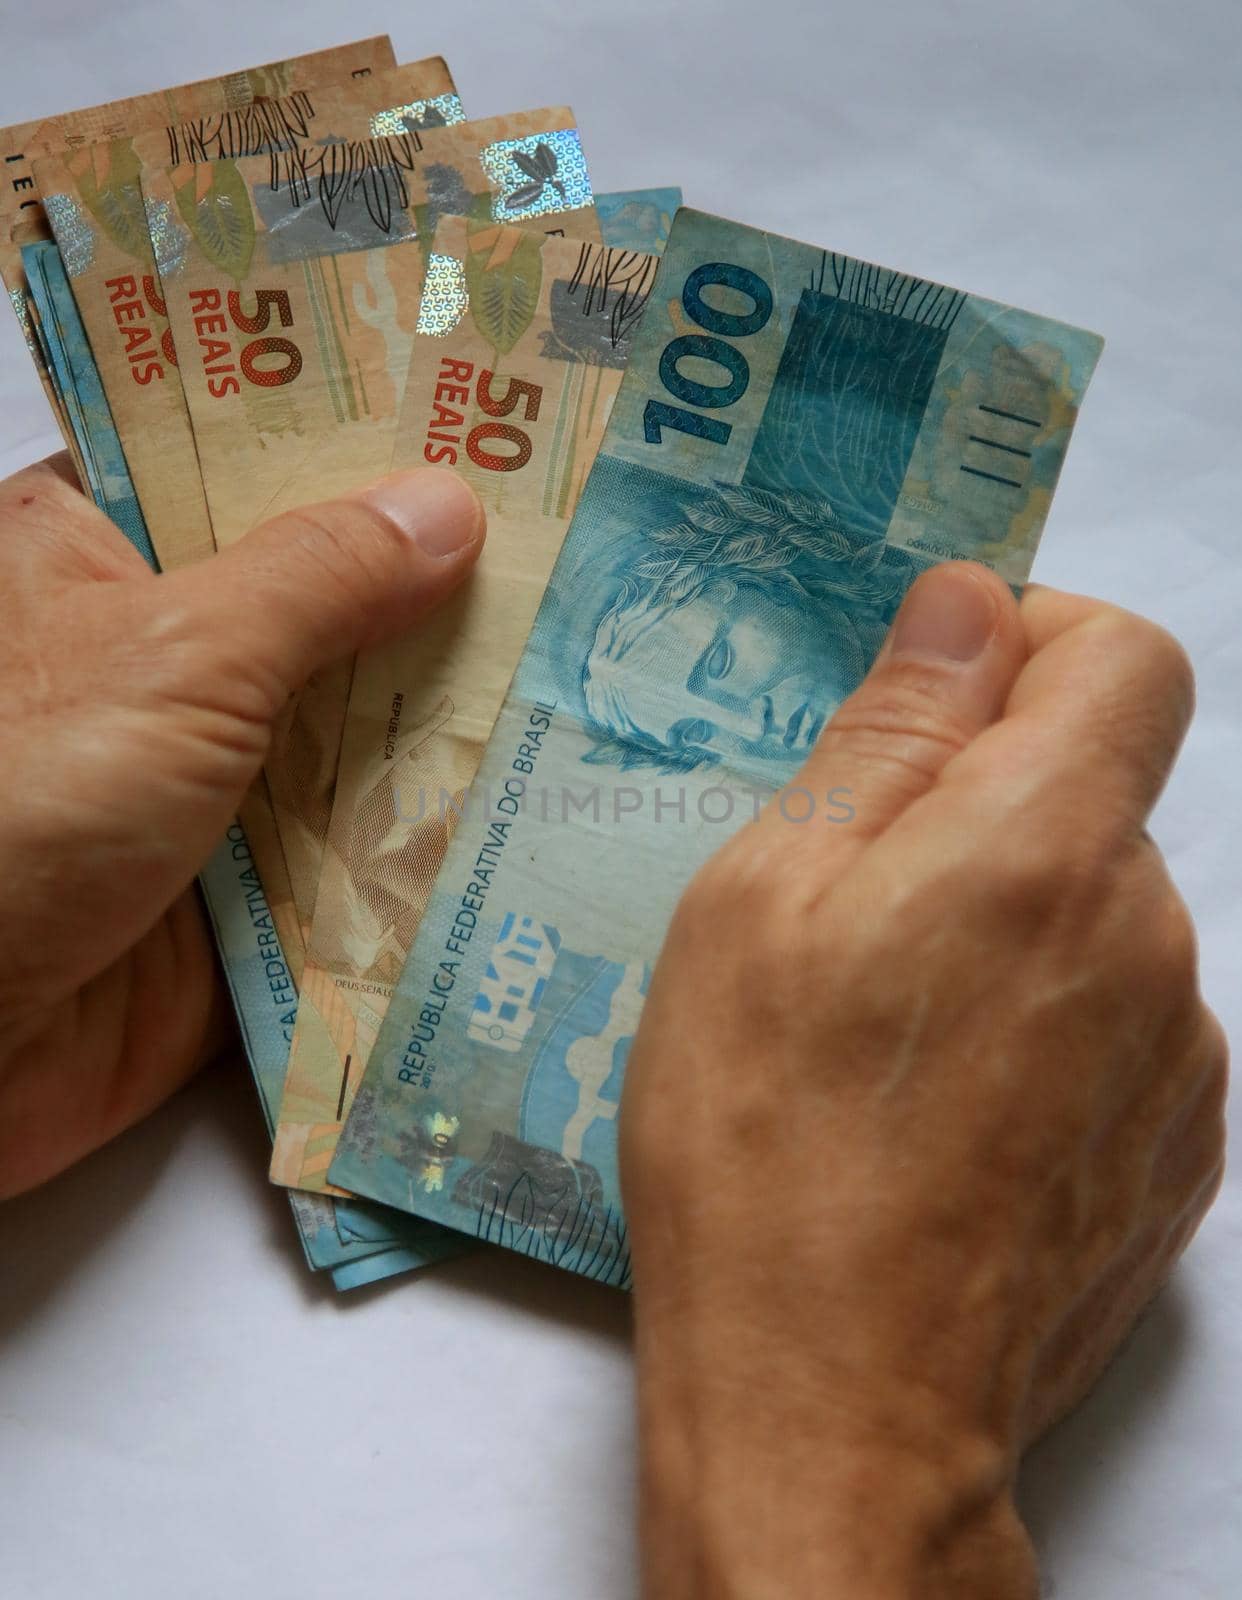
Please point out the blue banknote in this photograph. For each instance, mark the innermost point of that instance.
(440, 1245)
(68, 410)
(637, 219)
(334, 1233)
(77, 379)
(798, 435)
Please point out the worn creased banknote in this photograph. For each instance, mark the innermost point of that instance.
(797, 436)
(292, 285)
(265, 1001)
(370, 1242)
(96, 205)
(22, 142)
(93, 200)
(521, 342)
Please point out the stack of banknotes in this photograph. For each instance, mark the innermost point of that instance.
(713, 460)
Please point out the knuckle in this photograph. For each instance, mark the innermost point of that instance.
(1166, 657)
(375, 532)
(326, 540)
(1216, 1058)
(1218, 1045)
(352, 545)
(729, 884)
(1174, 944)
(702, 900)
(900, 719)
(1154, 672)
(748, 883)
(1035, 879)
(1159, 933)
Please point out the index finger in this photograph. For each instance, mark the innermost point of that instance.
(1093, 722)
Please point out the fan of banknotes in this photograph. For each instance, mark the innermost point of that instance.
(713, 460)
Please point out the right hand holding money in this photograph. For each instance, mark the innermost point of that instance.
(922, 1109)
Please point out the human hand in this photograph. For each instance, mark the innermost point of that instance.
(922, 1109)
(138, 709)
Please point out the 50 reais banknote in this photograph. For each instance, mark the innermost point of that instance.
(22, 142)
(520, 346)
(94, 203)
(292, 284)
(798, 434)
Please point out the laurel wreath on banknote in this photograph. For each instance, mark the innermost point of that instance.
(791, 543)
(746, 530)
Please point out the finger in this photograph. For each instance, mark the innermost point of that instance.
(946, 668)
(1047, 612)
(317, 584)
(1093, 724)
(52, 532)
(62, 465)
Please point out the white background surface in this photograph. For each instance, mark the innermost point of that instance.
(183, 1410)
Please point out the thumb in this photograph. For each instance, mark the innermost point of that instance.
(317, 584)
(951, 657)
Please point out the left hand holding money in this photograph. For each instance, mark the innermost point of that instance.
(137, 710)
(922, 1108)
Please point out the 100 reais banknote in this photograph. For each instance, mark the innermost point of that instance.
(798, 435)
